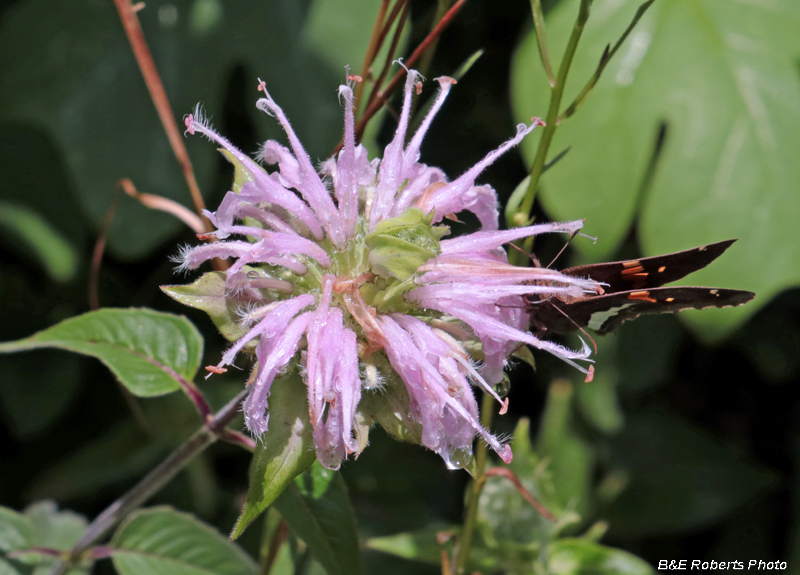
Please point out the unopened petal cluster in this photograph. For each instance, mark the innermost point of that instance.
(347, 273)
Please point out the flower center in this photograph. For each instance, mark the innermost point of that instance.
(375, 270)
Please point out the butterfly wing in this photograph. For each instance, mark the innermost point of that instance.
(606, 313)
(646, 273)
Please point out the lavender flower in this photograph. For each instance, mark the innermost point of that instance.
(348, 276)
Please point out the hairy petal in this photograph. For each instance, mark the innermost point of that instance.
(273, 355)
(448, 423)
(451, 197)
(489, 240)
(308, 182)
(271, 190)
(392, 174)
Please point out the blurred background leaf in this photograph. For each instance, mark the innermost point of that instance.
(722, 80)
(161, 540)
(75, 117)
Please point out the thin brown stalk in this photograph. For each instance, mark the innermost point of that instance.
(163, 204)
(372, 48)
(390, 53)
(506, 473)
(383, 96)
(133, 30)
(275, 544)
(99, 250)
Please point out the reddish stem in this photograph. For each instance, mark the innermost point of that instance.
(130, 22)
(383, 96)
(512, 477)
(372, 48)
(390, 53)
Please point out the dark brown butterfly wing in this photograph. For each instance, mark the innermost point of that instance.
(633, 288)
(651, 272)
(608, 312)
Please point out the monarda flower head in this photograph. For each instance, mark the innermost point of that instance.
(345, 273)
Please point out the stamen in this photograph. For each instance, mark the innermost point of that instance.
(486, 387)
(365, 316)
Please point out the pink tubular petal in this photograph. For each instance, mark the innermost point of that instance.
(271, 190)
(346, 188)
(483, 270)
(278, 243)
(415, 188)
(392, 175)
(273, 355)
(486, 326)
(289, 168)
(447, 423)
(309, 185)
(453, 364)
(489, 240)
(448, 199)
(488, 293)
(266, 218)
(347, 384)
(278, 316)
(192, 258)
(411, 154)
(334, 386)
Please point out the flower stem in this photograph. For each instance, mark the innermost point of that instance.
(130, 22)
(464, 545)
(372, 49)
(556, 95)
(156, 479)
(383, 96)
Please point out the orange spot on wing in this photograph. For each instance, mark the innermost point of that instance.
(631, 264)
(661, 269)
(641, 295)
(670, 299)
(633, 271)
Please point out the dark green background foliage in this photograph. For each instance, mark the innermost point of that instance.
(688, 441)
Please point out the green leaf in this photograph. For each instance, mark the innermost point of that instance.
(582, 557)
(597, 399)
(103, 120)
(724, 79)
(16, 532)
(422, 545)
(208, 294)
(26, 226)
(143, 348)
(37, 389)
(338, 32)
(399, 246)
(162, 540)
(283, 452)
(571, 459)
(33, 177)
(53, 528)
(505, 518)
(646, 352)
(417, 545)
(680, 478)
(42, 525)
(318, 510)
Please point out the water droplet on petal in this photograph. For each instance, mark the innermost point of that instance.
(458, 458)
(503, 387)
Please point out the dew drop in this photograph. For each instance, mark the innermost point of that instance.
(458, 458)
(503, 387)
